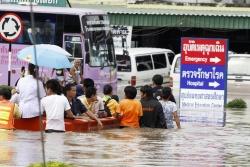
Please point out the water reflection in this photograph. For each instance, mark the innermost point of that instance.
(5, 149)
(189, 146)
(27, 147)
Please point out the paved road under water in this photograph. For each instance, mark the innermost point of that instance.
(189, 146)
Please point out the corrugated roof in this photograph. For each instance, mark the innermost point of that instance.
(177, 16)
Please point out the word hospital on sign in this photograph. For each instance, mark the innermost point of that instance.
(195, 84)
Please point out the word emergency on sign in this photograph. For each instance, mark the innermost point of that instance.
(10, 27)
(203, 80)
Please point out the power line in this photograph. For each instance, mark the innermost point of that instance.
(152, 33)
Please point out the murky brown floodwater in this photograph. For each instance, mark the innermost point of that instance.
(189, 146)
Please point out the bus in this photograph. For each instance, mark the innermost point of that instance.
(84, 33)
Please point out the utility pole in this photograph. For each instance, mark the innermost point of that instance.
(69, 3)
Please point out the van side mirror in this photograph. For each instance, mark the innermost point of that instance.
(177, 70)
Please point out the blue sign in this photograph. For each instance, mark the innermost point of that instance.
(203, 77)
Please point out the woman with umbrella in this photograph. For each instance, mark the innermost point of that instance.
(42, 55)
(28, 90)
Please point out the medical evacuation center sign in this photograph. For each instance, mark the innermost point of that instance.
(10, 27)
(203, 77)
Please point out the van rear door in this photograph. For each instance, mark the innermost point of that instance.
(144, 68)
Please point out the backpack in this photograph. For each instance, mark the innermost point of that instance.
(106, 108)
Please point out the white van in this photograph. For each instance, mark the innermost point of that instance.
(175, 74)
(137, 66)
(238, 77)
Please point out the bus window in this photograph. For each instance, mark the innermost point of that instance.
(71, 24)
(73, 45)
(44, 30)
(101, 50)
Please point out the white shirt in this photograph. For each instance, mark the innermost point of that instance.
(54, 106)
(15, 98)
(169, 108)
(27, 88)
(99, 105)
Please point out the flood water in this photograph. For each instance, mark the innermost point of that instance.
(189, 146)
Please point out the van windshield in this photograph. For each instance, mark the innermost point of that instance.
(239, 66)
(123, 63)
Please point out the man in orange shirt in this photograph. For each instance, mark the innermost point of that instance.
(8, 110)
(130, 109)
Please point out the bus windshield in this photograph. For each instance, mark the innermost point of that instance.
(100, 50)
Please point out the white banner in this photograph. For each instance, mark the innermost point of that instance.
(122, 36)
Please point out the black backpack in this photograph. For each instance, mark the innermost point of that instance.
(106, 108)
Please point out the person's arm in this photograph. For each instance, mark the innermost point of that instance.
(118, 111)
(17, 113)
(177, 120)
(140, 110)
(69, 114)
(41, 89)
(14, 98)
(67, 109)
(42, 106)
(92, 116)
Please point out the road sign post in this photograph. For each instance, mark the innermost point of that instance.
(203, 80)
(10, 29)
(9, 65)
